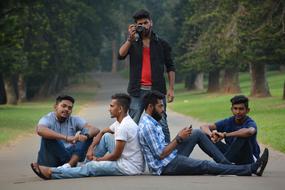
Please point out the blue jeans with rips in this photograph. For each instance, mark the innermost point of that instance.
(239, 152)
(92, 168)
(136, 110)
(53, 153)
(182, 164)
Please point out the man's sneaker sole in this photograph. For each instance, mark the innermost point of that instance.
(263, 160)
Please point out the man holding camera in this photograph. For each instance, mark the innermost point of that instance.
(149, 56)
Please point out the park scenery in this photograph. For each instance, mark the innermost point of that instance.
(220, 48)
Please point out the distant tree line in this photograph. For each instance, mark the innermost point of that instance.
(42, 43)
(220, 38)
(45, 43)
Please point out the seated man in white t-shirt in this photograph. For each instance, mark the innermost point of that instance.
(124, 159)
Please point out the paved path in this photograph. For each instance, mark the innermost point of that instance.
(15, 172)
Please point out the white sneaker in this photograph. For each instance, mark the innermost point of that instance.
(66, 165)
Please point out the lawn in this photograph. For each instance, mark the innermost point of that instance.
(22, 119)
(267, 112)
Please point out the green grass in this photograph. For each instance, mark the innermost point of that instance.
(269, 113)
(22, 119)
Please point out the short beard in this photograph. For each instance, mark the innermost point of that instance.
(147, 32)
(156, 115)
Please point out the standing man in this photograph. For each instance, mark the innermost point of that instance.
(173, 158)
(149, 57)
(65, 138)
(239, 132)
(124, 157)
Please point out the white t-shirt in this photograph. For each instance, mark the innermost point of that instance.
(131, 161)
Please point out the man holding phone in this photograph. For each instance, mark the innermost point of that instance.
(149, 57)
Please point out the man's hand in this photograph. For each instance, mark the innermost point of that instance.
(217, 136)
(170, 95)
(71, 139)
(131, 33)
(184, 133)
(89, 154)
(80, 137)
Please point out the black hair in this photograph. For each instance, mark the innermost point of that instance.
(141, 14)
(123, 99)
(151, 98)
(240, 99)
(64, 97)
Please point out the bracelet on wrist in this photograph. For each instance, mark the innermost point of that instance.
(66, 138)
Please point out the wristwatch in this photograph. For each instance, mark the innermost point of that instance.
(178, 139)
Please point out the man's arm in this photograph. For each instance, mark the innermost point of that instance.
(183, 134)
(47, 133)
(243, 133)
(208, 128)
(92, 131)
(171, 81)
(124, 49)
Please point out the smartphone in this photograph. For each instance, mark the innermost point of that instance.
(190, 127)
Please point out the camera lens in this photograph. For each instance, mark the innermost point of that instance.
(140, 29)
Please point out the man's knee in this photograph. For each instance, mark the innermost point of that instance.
(107, 137)
(197, 132)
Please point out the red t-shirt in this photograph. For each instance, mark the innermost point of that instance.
(146, 68)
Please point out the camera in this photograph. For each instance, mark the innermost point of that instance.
(140, 29)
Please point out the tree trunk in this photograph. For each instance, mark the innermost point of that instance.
(259, 85)
(214, 81)
(52, 85)
(48, 87)
(22, 89)
(189, 81)
(284, 91)
(199, 81)
(231, 81)
(2, 91)
(10, 90)
(114, 57)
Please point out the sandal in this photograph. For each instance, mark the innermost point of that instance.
(35, 167)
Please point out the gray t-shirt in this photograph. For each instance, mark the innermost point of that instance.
(69, 127)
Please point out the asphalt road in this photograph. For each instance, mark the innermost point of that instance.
(15, 159)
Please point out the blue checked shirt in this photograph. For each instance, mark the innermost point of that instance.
(153, 143)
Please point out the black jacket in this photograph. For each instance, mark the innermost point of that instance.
(160, 58)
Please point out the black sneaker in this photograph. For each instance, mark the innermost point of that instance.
(262, 162)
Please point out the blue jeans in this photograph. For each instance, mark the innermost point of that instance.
(238, 152)
(106, 144)
(53, 153)
(182, 164)
(92, 168)
(201, 139)
(136, 110)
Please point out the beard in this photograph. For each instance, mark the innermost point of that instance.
(146, 32)
(157, 116)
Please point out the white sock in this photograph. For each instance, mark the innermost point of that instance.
(66, 165)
